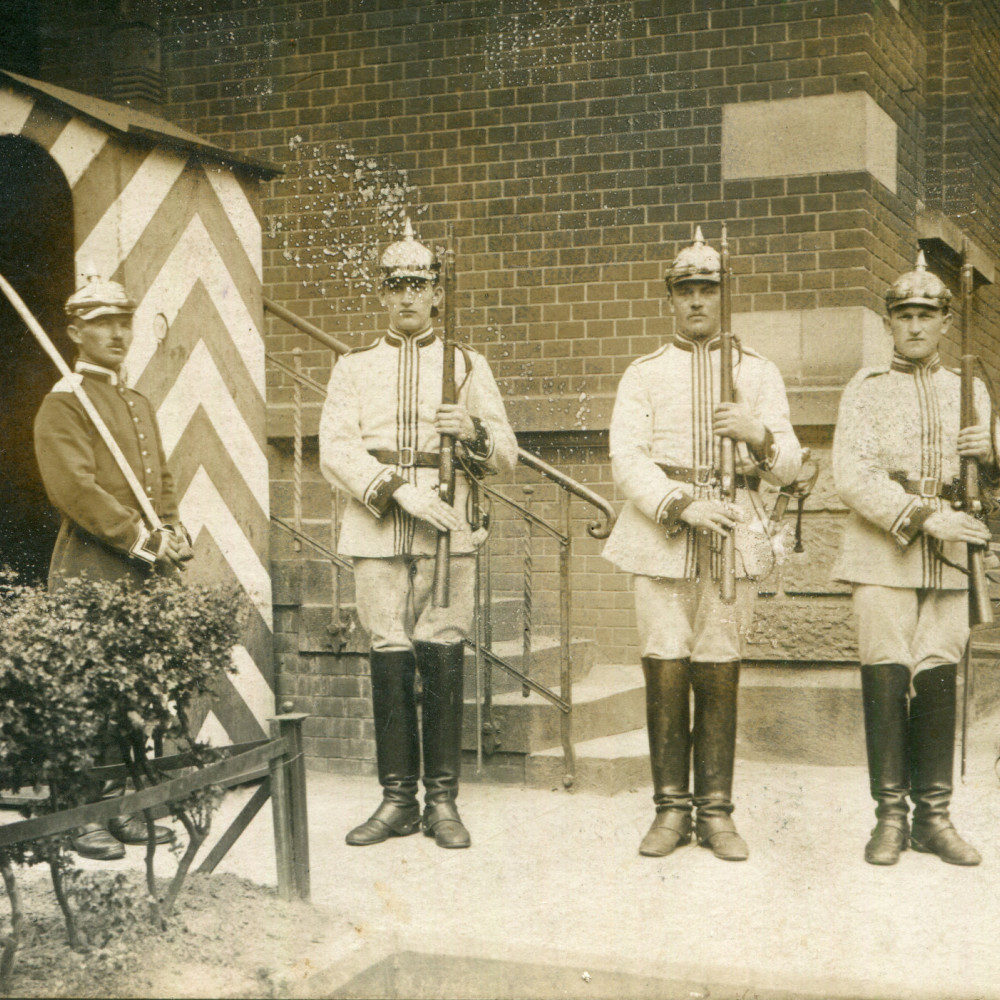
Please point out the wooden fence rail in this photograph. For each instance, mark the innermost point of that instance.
(282, 755)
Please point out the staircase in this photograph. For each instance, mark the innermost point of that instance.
(608, 723)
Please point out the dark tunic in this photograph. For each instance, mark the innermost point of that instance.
(102, 528)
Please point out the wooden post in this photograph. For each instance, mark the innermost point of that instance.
(282, 824)
(288, 797)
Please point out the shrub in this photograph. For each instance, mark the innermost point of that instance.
(89, 675)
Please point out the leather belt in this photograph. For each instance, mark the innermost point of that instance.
(929, 486)
(407, 458)
(707, 476)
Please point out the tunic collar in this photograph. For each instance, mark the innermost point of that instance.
(686, 343)
(86, 368)
(394, 339)
(907, 365)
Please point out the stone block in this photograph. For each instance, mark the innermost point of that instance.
(830, 133)
(314, 629)
(802, 628)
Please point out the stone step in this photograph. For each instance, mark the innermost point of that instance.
(787, 714)
(545, 663)
(605, 765)
(610, 699)
(808, 714)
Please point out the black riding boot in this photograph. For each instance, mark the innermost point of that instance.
(714, 738)
(932, 756)
(884, 689)
(397, 749)
(668, 725)
(441, 670)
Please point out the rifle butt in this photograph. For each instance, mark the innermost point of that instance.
(442, 576)
(727, 576)
(980, 608)
(446, 491)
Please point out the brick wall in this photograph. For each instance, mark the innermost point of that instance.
(573, 145)
(963, 142)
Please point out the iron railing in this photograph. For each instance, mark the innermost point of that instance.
(532, 528)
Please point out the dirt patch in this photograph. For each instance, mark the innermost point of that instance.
(228, 938)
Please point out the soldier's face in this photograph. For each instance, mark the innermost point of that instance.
(102, 341)
(409, 303)
(917, 330)
(696, 304)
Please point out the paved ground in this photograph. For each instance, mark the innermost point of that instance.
(554, 900)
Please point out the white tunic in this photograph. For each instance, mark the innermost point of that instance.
(663, 416)
(899, 419)
(384, 397)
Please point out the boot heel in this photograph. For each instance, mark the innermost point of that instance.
(442, 822)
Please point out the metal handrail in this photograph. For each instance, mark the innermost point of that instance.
(303, 325)
(297, 376)
(595, 528)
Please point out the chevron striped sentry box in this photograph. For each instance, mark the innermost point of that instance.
(174, 219)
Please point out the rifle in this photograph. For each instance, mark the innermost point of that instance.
(446, 458)
(980, 609)
(727, 447)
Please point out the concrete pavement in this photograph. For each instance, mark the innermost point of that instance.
(553, 898)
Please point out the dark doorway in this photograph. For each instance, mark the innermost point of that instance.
(36, 257)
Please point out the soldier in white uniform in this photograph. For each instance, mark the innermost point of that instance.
(379, 440)
(896, 457)
(664, 442)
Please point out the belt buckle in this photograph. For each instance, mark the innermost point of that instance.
(930, 486)
(407, 457)
(704, 475)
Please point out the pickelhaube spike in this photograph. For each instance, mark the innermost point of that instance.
(697, 262)
(918, 287)
(96, 297)
(409, 258)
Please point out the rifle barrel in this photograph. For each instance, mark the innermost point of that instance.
(727, 447)
(446, 458)
(980, 608)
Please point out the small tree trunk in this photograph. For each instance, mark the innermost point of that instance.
(134, 756)
(196, 837)
(9, 949)
(55, 867)
(154, 902)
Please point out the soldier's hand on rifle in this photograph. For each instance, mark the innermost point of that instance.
(956, 526)
(422, 502)
(454, 420)
(172, 548)
(974, 442)
(711, 515)
(737, 421)
(178, 550)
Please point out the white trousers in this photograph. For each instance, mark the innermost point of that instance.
(686, 619)
(395, 605)
(918, 629)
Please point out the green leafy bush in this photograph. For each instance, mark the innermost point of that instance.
(98, 661)
(90, 675)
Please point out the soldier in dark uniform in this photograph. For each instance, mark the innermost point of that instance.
(664, 438)
(896, 456)
(102, 535)
(379, 441)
